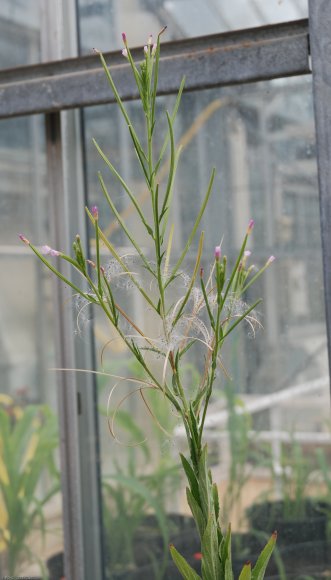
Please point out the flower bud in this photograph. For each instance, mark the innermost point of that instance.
(95, 212)
(124, 38)
(250, 226)
(217, 253)
(24, 239)
(270, 260)
(125, 52)
(247, 253)
(47, 250)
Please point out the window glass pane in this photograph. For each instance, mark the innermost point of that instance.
(101, 22)
(28, 421)
(268, 427)
(19, 33)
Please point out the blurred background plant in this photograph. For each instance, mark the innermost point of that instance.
(135, 514)
(29, 478)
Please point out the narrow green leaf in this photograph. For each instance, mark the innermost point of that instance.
(124, 185)
(122, 108)
(194, 229)
(211, 565)
(216, 501)
(173, 117)
(191, 477)
(225, 548)
(122, 224)
(183, 566)
(228, 572)
(262, 562)
(204, 484)
(196, 512)
(246, 573)
(171, 174)
(112, 250)
(194, 275)
(59, 275)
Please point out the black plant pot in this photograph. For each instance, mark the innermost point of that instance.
(297, 560)
(55, 566)
(312, 526)
(149, 545)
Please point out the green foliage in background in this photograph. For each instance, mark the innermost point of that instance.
(28, 439)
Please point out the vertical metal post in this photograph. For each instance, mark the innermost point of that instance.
(77, 391)
(320, 46)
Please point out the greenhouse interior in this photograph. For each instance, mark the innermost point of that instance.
(165, 240)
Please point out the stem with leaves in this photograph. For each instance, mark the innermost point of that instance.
(215, 309)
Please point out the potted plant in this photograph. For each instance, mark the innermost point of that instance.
(300, 519)
(28, 439)
(195, 319)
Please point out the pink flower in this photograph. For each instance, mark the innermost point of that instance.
(24, 239)
(95, 212)
(217, 253)
(270, 260)
(47, 250)
(145, 49)
(125, 52)
(124, 38)
(247, 253)
(250, 226)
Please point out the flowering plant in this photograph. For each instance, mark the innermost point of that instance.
(200, 319)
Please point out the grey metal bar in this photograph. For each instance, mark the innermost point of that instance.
(65, 356)
(320, 43)
(219, 60)
(77, 391)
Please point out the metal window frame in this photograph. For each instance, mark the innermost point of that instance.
(211, 61)
(50, 88)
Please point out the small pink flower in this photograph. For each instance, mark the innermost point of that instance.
(146, 49)
(270, 260)
(250, 226)
(95, 212)
(125, 52)
(197, 556)
(24, 239)
(47, 250)
(217, 253)
(124, 38)
(247, 253)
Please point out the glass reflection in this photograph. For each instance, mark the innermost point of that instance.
(29, 478)
(101, 22)
(19, 33)
(268, 426)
